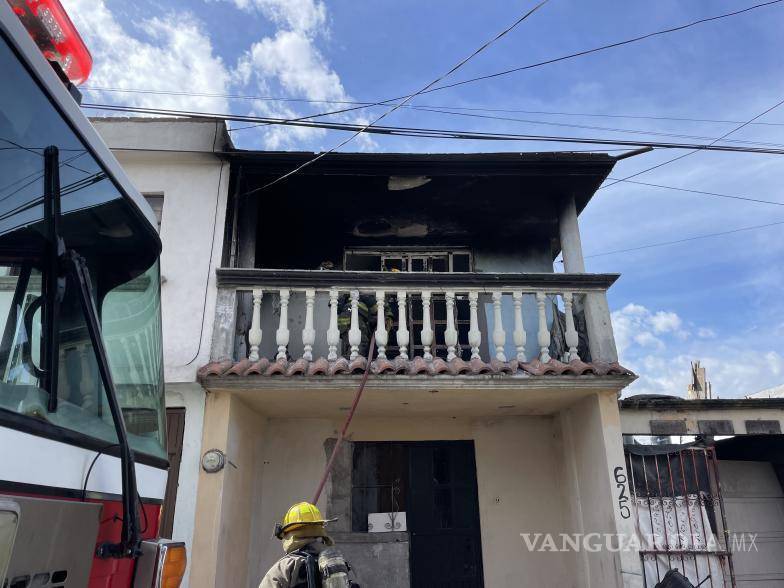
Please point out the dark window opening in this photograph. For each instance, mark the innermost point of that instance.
(379, 481)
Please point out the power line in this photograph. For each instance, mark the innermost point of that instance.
(745, 198)
(664, 243)
(418, 106)
(405, 100)
(593, 127)
(436, 133)
(569, 56)
(692, 152)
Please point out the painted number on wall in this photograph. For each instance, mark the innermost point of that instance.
(623, 497)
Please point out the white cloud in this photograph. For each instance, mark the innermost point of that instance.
(296, 15)
(289, 63)
(657, 347)
(169, 52)
(665, 322)
(292, 58)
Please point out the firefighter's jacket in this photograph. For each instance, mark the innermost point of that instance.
(289, 571)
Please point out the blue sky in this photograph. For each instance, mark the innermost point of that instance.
(719, 300)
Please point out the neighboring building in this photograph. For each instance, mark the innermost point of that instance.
(171, 162)
(468, 426)
(700, 387)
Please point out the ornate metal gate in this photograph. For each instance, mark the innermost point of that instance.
(679, 513)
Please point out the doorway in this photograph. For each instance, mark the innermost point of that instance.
(434, 483)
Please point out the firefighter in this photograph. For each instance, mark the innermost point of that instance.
(311, 561)
(367, 311)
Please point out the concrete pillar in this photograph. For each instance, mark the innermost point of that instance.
(593, 454)
(571, 246)
(601, 340)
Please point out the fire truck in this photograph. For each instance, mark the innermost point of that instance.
(83, 462)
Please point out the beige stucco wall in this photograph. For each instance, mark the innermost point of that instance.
(535, 474)
(225, 499)
(517, 474)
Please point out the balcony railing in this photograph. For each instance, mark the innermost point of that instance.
(290, 315)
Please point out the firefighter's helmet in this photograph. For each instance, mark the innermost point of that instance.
(300, 515)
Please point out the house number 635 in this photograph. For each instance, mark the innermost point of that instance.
(623, 498)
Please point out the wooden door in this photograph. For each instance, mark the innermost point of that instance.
(175, 428)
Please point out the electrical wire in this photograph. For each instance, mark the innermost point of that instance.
(209, 259)
(403, 103)
(592, 127)
(693, 151)
(435, 133)
(92, 464)
(569, 56)
(687, 239)
(744, 198)
(415, 106)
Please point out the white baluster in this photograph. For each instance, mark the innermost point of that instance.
(543, 335)
(254, 334)
(570, 336)
(282, 334)
(450, 335)
(309, 333)
(333, 333)
(519, 328)
(427, 329)
(499, 335)
(402, 324)
(474, 334)
(381, 326)
(354, 334)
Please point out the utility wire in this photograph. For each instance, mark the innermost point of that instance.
(436, 133)
(404, 102)
(565, 57)
(416, 106)
(423, 107)
(664, 243)
(693, 151)
(745, 198)
(591, 127)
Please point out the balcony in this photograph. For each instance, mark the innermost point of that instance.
(316, 324)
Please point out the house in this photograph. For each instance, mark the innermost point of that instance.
(483, 417)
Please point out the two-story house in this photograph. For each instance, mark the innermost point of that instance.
(491, 407)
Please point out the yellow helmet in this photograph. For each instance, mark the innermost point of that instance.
(299, 515)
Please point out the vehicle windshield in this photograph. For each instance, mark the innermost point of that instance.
(121, 253)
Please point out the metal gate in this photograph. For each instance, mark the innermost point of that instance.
(679, 514)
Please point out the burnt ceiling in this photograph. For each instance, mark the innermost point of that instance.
(477, 200)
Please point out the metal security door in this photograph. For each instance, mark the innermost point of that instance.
(443, 516)
(679, 515)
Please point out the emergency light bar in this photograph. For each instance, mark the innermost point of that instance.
(56, 37)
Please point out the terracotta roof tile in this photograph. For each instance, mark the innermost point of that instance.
(415, 366)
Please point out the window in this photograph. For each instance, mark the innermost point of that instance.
(401, 259)
(379, 481)
(121, 252)
(156, 203)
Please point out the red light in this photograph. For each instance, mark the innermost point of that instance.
(56, 36)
